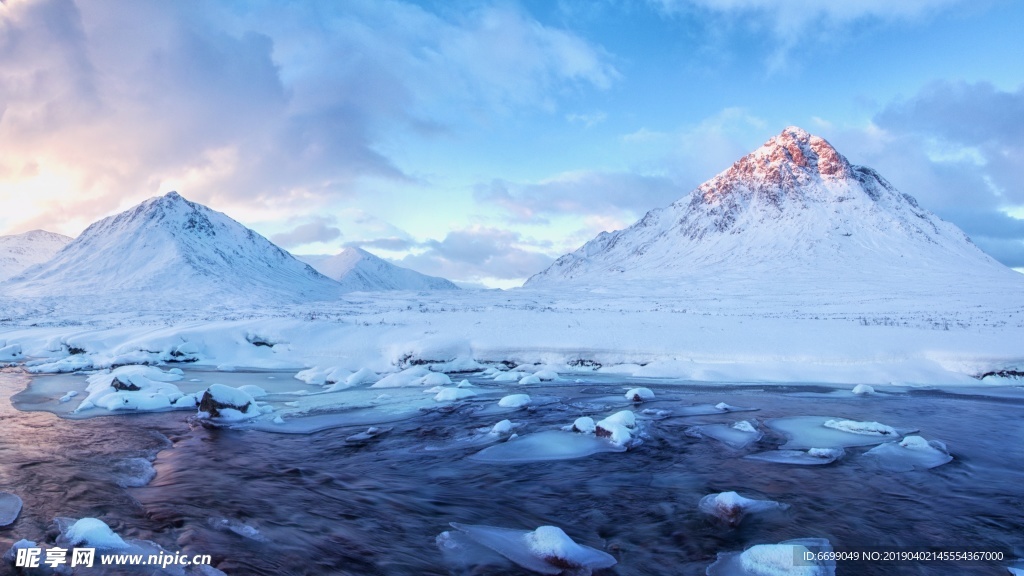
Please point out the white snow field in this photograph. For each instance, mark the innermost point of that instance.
(791, 266)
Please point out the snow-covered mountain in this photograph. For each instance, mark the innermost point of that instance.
(358, 270)
(793, 213)
(19, 251)
(170, 249)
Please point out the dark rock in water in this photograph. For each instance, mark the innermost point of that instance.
(10, 508)
(213, 406)
(117, 384)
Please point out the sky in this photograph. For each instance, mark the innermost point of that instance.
(480, 140)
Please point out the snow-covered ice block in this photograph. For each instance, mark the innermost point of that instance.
(514, 401)
(453, 394)
(546, 375)
(542, 446)
(639, 394)
(913, 452)
(530, 379)
(863, 390)
(143, 388)
(618, 428)
(436, 379)
(812, 457)
(503, 427)
(738, 435)
(730, 507)
(10, 508)
(546, 550)
(584, 425)
(775, 560)
(91, 532)
(510, 376)
(408, 377)
(805, 432)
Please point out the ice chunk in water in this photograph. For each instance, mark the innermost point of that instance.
(863, 390)
(639, 394)
(10, 507)
(805, 432)
(775, 560)
(739, 435)
(546, 550)
(914, 452)
(453, 394)
(548, 445)
(813, 457)
(133, 472)
(730, 507)
(90, 532)
(584, 424)
(514, 401)
(503, 427)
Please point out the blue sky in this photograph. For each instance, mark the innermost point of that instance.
(479, 140)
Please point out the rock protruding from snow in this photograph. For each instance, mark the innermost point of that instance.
(639, 394)
(794, 212)
(19, 252)
(176, 253)
(227, 404)
(141, 388)
(359, 271)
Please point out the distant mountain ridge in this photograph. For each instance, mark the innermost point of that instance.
(358, 270)
(20, 251)
(795, 208)
(170, 248)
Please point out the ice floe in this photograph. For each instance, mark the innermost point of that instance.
(913, 452)
(10, 508)
(805, 432)
(546, 550)
(730, 507)
(812, 457)
(547, 445)
(737, 435)
(775, 560)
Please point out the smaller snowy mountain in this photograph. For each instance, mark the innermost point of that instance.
(170, 251)
(19, 251)
(359, 271)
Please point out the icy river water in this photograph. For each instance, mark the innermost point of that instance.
(266, 504)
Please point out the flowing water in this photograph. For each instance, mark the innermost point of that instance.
(263, 503)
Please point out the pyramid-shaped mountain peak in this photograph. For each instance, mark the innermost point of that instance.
(169, 247)
(794, 208)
